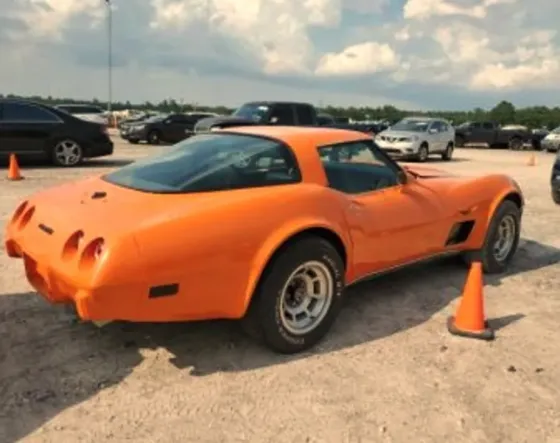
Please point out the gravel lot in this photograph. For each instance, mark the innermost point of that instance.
(388, 372)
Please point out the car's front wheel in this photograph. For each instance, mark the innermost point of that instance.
(298, 297)
(502, 238)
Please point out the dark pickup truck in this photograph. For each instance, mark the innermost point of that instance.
(492, 134)
(277, 113)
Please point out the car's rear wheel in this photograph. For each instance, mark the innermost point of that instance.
(67, 153)
(502, 238)
(460, 141)
(448, 153)
(133, 141)
(423, 153)
(298, 297)
(515, 144)
(556, 197)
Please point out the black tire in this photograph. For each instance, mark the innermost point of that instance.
(133, 141)
(490, 264)
(460, 141)
(154, 137)
(448, 153)
(423, 153)
(264, 318)
(60, 159)
(556, 197)
(515, 144)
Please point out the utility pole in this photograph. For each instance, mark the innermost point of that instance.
(109, 55)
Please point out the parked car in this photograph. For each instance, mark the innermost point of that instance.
(86, 112)
(492, 134)
(537, 137)
(263, 113)
(34, 130)
(555, 180)
(141, 117)
(264, 224)
(170, 128)
(418, 138)
(552, 141)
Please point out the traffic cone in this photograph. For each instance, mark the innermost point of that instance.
(532, 160)
(13, 171)
(469, 320)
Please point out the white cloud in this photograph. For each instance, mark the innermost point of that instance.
(495, 46)
(363, 58)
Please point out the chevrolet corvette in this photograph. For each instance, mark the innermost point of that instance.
(268, 225)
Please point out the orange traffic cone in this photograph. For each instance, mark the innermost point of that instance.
(469, 320)
(532, 160)
(13, 171)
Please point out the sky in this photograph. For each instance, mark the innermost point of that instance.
(412, 54)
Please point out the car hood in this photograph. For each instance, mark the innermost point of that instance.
(398, 134)
(205, 124)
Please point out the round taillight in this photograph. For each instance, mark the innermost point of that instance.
(72, 245)
(19, 210)
(26, 217)
(92, 253)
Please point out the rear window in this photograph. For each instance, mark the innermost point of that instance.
(212, 162)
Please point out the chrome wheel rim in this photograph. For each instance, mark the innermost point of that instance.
(423, 154)
(449, 151)
(68, 152)
(306, 298)
(505, 238)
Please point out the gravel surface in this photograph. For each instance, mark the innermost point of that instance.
(388, 372)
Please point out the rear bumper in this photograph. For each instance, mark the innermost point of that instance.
(100, 149)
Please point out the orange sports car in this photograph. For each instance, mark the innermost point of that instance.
(263, 224)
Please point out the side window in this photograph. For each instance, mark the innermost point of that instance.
(357, 167)
(488, 126)
(444, 127)
(21, 112)
(305, 115)
(282, 114)
(436, 126)
(476, 125)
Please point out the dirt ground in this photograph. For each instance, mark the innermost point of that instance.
(388, 372)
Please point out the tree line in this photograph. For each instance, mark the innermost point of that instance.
(503, 113)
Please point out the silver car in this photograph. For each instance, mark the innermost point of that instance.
(418, 138)
(552, 141)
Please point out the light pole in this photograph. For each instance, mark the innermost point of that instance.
(109, 55)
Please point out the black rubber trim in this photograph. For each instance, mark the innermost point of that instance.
(46, 229)
(486, 334)
(164, 290)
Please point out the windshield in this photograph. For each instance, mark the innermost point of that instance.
(70, 109)
(252, 111)
(411, 125)
(211, 162)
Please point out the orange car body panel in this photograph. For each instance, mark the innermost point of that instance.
(215, 246)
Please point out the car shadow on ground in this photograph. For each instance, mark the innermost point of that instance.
(50, 362)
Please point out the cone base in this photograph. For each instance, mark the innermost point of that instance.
(484, 334)
(15, 179)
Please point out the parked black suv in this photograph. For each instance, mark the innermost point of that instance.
(33, 130)
(555, 180)
(171, 128)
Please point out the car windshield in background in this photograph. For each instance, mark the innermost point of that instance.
(252, 111)
(154, 118)
(212, 162)
(411, 125)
